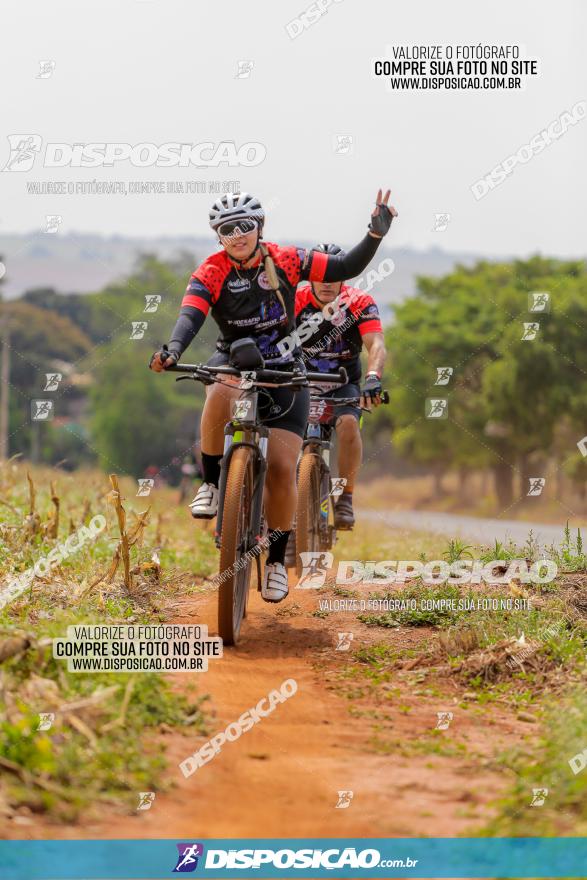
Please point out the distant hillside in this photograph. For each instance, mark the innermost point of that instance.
(83, 263)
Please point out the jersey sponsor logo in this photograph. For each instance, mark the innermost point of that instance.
(338, 317)
(243, 322)
(238, 285)
(263, 281)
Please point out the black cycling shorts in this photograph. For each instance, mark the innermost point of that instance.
(278, 407)
(349, 390)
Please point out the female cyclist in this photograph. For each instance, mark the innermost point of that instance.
(249, 286)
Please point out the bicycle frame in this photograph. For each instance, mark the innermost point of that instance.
(318, 440)
(245, 430)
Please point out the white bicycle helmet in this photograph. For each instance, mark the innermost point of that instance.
(234, 206)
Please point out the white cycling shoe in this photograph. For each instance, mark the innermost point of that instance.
(205, 504)
(274, 587)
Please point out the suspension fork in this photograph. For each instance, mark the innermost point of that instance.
(319, 443)
(236, 435)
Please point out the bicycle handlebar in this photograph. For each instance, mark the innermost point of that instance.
(341, 379)
(293, 377)
(344, 401)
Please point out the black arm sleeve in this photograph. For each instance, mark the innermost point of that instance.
(355, 261)
(189, 322)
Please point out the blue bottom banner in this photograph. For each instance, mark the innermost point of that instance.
(334, 857)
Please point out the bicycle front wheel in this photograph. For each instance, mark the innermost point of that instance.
(235, 563)
(308, 509)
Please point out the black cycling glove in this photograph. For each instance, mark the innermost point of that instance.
(163, 354)
(380, 224)
(371, 387)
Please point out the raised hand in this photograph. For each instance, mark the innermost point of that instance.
(382, 215)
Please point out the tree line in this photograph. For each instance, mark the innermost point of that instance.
(509, 363)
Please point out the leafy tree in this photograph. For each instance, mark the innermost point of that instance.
(138, 416)
(509, 390)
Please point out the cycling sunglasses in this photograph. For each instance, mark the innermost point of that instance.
(237, 227)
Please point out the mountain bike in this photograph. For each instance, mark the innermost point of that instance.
(239, 523)
(317, 491)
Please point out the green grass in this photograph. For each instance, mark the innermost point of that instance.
(419, 616)
(368, 541)
(564, 735)
(104, 753)
(571, 555)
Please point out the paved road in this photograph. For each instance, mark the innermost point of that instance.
(484, 531)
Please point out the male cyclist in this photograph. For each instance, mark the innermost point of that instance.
(351, 321)
(249, 286)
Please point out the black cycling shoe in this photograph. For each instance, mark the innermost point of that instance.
(344, 518)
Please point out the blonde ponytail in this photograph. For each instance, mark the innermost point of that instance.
(271, 273)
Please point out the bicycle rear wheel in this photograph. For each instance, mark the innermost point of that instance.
(235, 566)
(308, 509)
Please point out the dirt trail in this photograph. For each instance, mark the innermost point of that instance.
(281, 778)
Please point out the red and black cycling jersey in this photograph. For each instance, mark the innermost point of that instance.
(337, 340)
(243, 303)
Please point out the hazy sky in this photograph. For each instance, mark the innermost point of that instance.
(156, 71)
